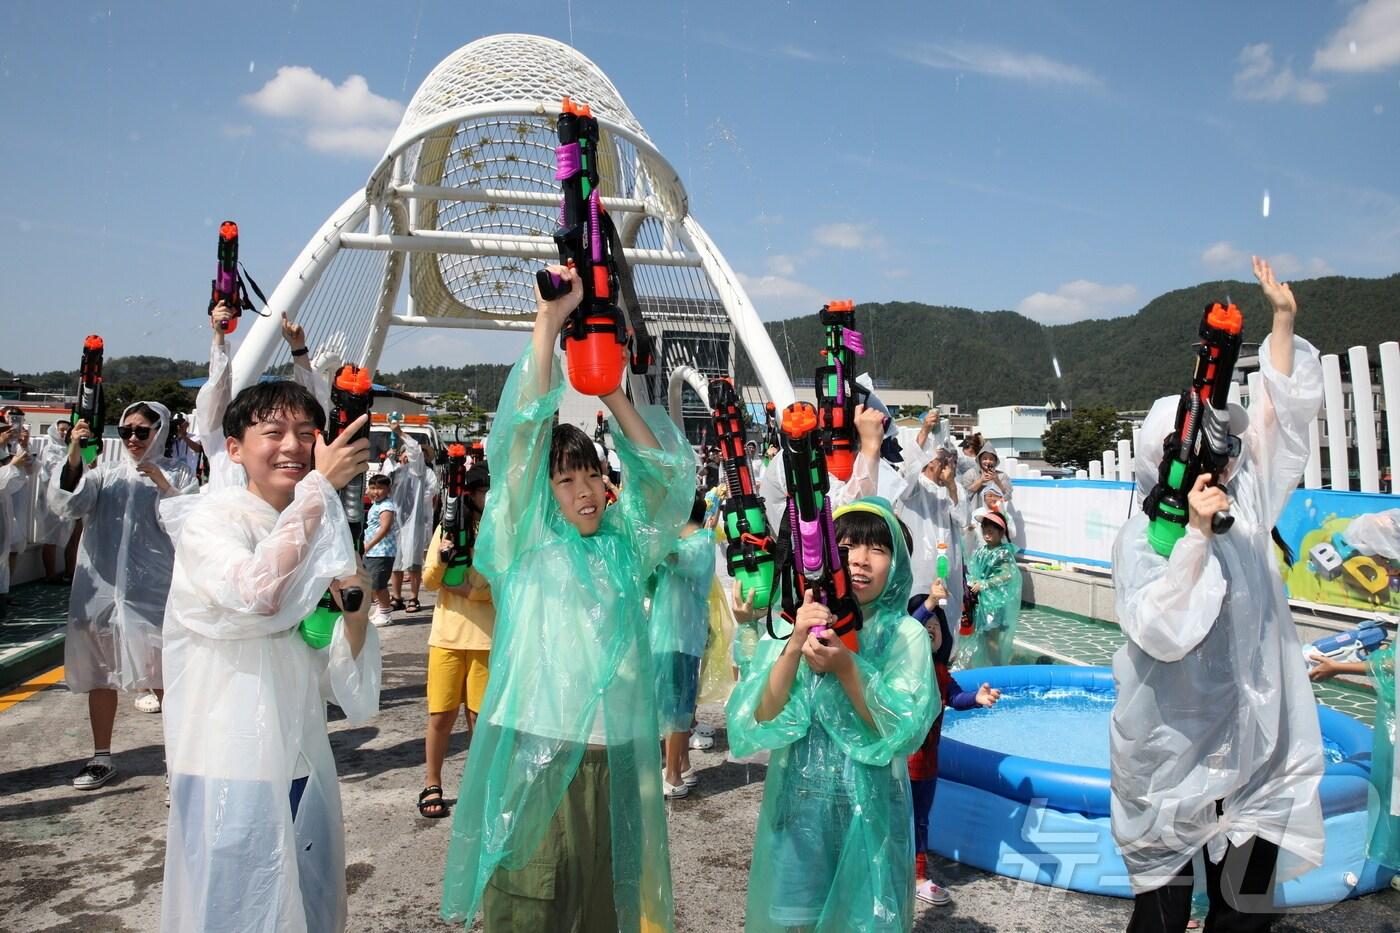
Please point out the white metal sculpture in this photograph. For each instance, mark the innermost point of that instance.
(463, 205)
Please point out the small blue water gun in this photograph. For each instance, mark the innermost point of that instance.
(1346, 647)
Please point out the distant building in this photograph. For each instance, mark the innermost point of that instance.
(1015, 429)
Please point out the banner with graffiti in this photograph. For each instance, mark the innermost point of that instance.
(1346, 549)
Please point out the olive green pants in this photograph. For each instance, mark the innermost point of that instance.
(567, 884)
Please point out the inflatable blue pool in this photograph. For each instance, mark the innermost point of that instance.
(1023, 788)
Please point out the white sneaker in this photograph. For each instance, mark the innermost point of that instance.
(148, 703)
(673, 791)
(689, 777)
(702, 743)
(931, 893)
(704, 728)
(379, 618)
(95, 774)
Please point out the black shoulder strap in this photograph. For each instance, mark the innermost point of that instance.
(643, 349)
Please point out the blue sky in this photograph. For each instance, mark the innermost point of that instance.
(1068, 160)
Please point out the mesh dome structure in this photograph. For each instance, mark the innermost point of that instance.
(459, 213)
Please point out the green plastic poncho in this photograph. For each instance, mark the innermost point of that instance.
(571, 663)
(835, 848)
(680, 625)
(1384, 846)
(998, 608)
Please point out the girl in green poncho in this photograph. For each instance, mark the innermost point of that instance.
(560, 823)
(834, 849)
(1383, 846)
(995, 582)
(680, 627)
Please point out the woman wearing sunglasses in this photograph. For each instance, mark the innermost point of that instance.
(123, 573)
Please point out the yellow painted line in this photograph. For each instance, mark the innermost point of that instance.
(30, 687)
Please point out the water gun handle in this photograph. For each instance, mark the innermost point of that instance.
(550, 285)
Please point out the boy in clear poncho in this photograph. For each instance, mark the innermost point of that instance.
(1214, 742)
(414, 518)
(255, 839)
(117, 604)
(834, 849)
(930, 503)
(680, 628)
(560, 822)
(52, 530)
(995, 583)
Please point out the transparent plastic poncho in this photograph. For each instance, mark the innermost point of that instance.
(834, 850)
(117, 605)
(245, 712)
(415, 513)
(1212, 704)
(571, 655)
(1384, 845)
(50, 527)
(998, 609)
(932, 517)
(12, 481)
(680, 622)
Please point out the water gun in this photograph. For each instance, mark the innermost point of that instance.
(749, 552)
(969, 611)
(1346, 647)
(477, 451)
(942, 568)
(595, 338)
(770, 429)
(352, 394)
(228, 285)
(395, 417)
(837, 391)
(817, 562)
(1201, 441)
(458, 529)
(92, 399)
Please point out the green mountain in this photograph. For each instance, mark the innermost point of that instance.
(979, 359)
(975, 359)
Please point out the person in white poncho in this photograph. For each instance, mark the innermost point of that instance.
(255, 839)
(117, 604)
(1215, 742)
(52, 531)
(415, 519)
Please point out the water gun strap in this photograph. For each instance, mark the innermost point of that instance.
(643, 347)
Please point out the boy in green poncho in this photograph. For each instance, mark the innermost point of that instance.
(995, 582)
(834, 851)
(560, 823)
(680, 627)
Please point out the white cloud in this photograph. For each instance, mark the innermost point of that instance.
(1260, 78)
(1002, 63)
(848, 236)
(347, 118)
(782, 265)
(1222, 258)
(1079, 300)
(777, 294)
(1369, 40)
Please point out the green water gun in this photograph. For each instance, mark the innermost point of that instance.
(749, 555)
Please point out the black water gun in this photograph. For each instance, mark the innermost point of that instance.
(595, 338)
(1201, 441)
(600, 432)
(749, 553)
(458, 527)
(92, 399)
(837, 391)
(352, 395)
(770, 429)
(228, 284)
(817, 562)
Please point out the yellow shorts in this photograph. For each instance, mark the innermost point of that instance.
(456, 676)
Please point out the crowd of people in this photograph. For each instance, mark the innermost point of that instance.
(596, 615)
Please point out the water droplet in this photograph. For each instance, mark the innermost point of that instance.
(250, 68)
(1264, 208)
(1351, 46)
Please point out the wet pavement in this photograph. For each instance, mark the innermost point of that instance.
(92, 861)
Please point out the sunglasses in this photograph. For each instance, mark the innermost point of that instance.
(127, 431)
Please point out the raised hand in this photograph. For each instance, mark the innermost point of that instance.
(293, 333)
(343, 459)
(1280, 295)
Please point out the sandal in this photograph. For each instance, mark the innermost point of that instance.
(413, 605)
(396, 605)
(431, 799)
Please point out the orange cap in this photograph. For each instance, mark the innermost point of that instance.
(456, 450)
(799, 418)
(844, 304)
(352, 378)
(228, 230)
(1226, 318)
(93, 342)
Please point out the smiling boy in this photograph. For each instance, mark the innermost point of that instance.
(255, 839)
(560, 823)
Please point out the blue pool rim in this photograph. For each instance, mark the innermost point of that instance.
(1010, 799)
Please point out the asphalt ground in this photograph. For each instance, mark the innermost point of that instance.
(74, 861)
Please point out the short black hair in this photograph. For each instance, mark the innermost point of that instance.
(570, 449)
(145, 411)
(697, 509)
(380, 479)
(262, 400)
(863, 529)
